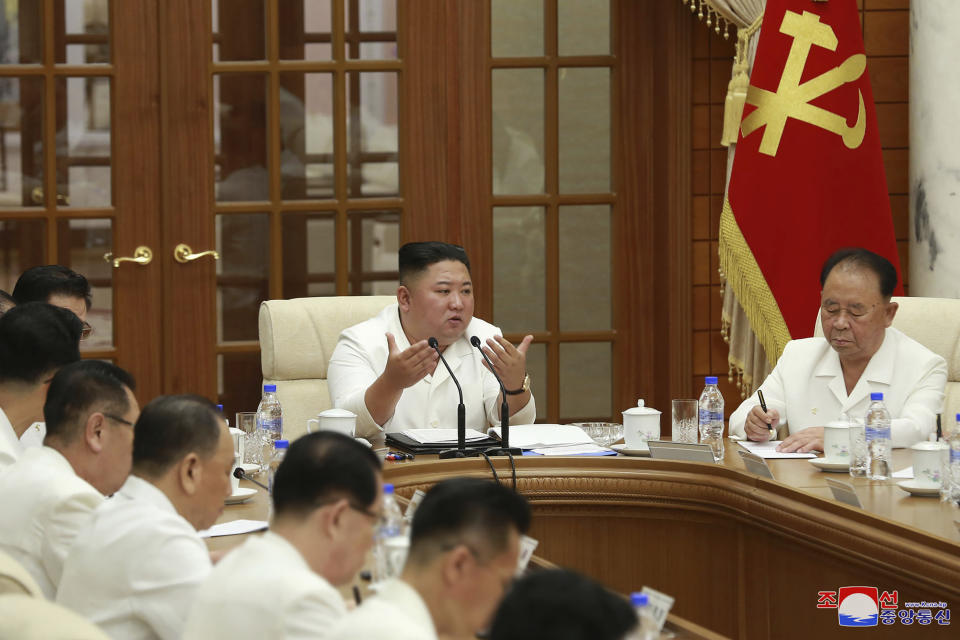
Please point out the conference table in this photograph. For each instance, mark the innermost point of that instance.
(744, 556)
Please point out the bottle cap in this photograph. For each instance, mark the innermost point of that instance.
(272, 388)
(388, 488)
(876, 395)
(711, 379)
(219, 408)
(639, 599)
(281, 444)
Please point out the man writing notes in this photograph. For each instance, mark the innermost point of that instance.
(326, 502)
(135, 569)
(818, 379)
(50, 493)
(385, 371)
(464, 543)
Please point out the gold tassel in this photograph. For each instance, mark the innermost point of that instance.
(738, 85)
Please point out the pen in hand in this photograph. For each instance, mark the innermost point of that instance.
(763, 405)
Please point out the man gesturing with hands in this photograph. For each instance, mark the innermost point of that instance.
(385, 371)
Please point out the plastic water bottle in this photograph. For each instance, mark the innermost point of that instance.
(711, 418)
(269, 421)
(391, 534)
(225, 418)
(279, 452)
(877, 425)
(953, 477)
(646, 625)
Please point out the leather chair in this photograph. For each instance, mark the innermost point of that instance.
(934, 323)
(297, 338)
(15, 579)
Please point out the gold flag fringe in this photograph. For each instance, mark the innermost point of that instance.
(740, 270)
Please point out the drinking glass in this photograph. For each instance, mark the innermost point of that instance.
(685, 422)
(858, 448)
(247, 421)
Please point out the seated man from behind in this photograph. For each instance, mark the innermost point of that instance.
(50, 493)
(558, 604)
(463, 555)
(385, 371)
(816, 380)
(135, 570)
(327, 501)
(36, 339)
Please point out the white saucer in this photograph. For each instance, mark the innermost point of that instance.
(250, 468)
(911, 487)
(622, 448)
(240, 495)
(825, 465)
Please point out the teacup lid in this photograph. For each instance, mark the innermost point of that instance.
(641, 410)
(838, 424)
(336, 413)
(929, 446)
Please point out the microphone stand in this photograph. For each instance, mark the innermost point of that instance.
(506, 449)
(461, 451)
(242, 475)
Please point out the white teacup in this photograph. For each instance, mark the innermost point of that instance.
(836, 442)
(926, 463)
(339, 420)
(640, 424)
(239, 441)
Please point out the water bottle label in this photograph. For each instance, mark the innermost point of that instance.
(954, 456)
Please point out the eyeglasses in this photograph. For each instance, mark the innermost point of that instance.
(855, 313)
(118, 419)
(86, 332)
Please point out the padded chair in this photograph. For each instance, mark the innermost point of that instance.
(934, 323)
(35, 618)
(15, 579)
(297, 338)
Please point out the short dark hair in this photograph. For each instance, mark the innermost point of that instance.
(36, 339)
(325, 466)
(453, 510)
(558, 604)
(80, 388)
(37, 284)
(6, 302)
(416, 257)
(169, 428)
(863, 258)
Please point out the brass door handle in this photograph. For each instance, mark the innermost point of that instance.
(183, 254)
(141, 255)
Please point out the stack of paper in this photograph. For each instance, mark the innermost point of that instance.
(441, 436)
(768, 450)
(544, 436)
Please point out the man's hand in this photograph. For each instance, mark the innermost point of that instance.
(756, 424)
(509, 361)
(805, 441)
(408, 367)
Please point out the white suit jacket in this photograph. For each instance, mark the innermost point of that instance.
(807, 387)
(45, 505)
(10, 447)
(397, 612)
(135, 570)
(264, 589)
(361, 356)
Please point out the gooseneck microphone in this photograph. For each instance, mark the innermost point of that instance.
(504, 408)
(242, 475)
(461, 451)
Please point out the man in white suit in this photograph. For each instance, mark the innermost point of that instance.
(135, 569)
(818, 379)
(327, 500)
(464, 543)
(50, 493)
(385, 371)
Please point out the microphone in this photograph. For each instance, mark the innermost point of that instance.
(241, 474)
(461, 450)
(504, 409)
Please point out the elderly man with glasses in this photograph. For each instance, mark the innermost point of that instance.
(818, 379)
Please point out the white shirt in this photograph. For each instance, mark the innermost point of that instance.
(135, 570)
(808, 390)
(45, 505)
(397, 612)
(10, 447)
(361, 356)
(264, 589)
(33, 437)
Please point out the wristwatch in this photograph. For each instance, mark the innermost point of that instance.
(525, 387)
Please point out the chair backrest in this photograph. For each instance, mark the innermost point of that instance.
(35, 618)
(15, 579)
(297, 338)
(934, 323)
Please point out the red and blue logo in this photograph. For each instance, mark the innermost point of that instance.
(858, 606)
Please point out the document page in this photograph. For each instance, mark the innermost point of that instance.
(769, 451)
(441, 436)
(540, 436)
